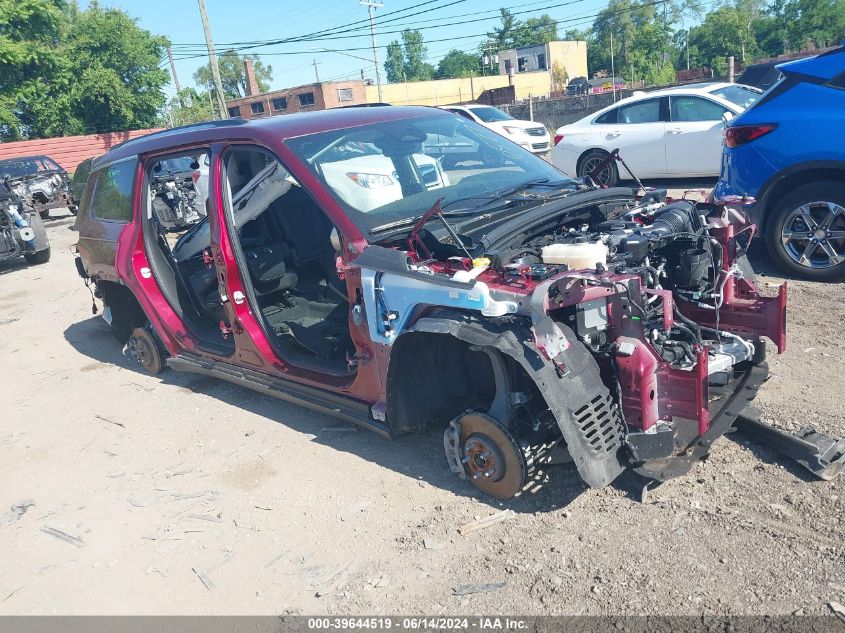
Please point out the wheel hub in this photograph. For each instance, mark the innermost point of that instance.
(482, 458)
(484, 451)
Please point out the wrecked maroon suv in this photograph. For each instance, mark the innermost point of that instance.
(402, 267)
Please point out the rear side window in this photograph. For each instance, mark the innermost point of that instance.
(608, 117)
(640, 112)
(113, 192)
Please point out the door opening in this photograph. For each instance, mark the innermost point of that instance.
(177, 240)
(288, 250)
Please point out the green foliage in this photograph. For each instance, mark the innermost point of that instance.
(117, 80)
(560, 77)
(458, 64)
(189, 106)
(65, 71)
(514, 33)
(406, 61)
(534, 31)
(232, 75)
(30, 32)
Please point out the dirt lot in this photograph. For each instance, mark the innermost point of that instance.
(181, 494)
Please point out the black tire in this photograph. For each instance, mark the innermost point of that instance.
(38, 257)
(609, 177)
(144, 349)
(803, 214)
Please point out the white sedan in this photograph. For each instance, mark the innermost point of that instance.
(671, 133)
(528, 134)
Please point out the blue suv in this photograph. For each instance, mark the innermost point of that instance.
(788, 151)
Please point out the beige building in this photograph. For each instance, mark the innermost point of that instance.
(449, 91)
(316, 96)
(570, 56)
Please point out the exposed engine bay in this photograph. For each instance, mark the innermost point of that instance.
(660, 295)
(175, 201)
(43, 191)
(21, 230)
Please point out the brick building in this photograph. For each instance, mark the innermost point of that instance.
(316, 96)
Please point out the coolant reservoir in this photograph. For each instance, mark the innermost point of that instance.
(576, 256)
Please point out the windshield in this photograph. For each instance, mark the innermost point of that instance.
(489, 114)
(17, 167)
(743, 96)
(394, 170)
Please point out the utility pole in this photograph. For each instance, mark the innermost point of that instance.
(316, 72)
(687, 49)
(175, 77)
(612, 68)
(371, 6)
(212, 60)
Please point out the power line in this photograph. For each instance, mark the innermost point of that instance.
(339, 28)
(603, 13)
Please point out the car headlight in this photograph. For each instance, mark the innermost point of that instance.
(513, 130)
(370, 181)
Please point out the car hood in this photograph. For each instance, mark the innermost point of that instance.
(825, 66)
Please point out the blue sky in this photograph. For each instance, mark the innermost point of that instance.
(258, 20)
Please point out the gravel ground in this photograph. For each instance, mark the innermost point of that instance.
(179, 494)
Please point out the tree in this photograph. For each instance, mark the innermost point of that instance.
(394, 63)
(65, 71)
(725, 31)
(560, 78)
(30, 33)
(534, 31)
(406, 61)
(233, 76)
(117, 82)
(820, 22)
(457, 64)
(501, 37)
(189, 106)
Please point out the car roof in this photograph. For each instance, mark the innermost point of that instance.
(31, 157)
(697, 88)
(267, 129)
(825, 66)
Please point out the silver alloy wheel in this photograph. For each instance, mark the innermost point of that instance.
(813, 235)
(590, 164)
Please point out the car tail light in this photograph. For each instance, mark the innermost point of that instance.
(742, 134)
(196, 176)
(558, 138)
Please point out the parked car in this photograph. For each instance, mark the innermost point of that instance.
(79, 180)
(788, 152)
(528, 134)
(578, 86)
(523, 312)
(671, 133)
(39, 181)
(22, 232)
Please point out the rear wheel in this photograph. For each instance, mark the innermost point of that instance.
(607, 177)
(805, 233)
(144, 349)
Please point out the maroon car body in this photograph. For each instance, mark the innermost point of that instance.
(465, 325)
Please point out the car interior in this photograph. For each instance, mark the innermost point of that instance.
(189, 285)
(289, 249)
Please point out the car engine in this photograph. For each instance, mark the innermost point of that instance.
(672, 254)
(42, 191)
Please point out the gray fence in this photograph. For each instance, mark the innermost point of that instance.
(556, 112)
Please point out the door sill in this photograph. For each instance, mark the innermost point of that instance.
(333, 404)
